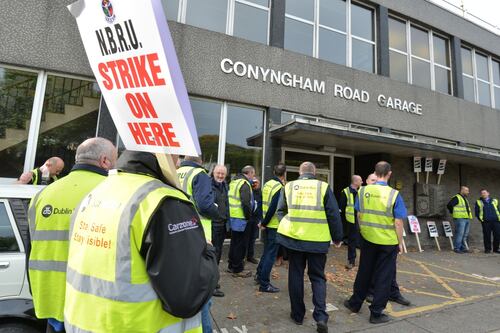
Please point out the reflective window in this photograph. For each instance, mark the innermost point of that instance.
(397, 34)
(301, 8)
(247, 19)
(467, 61)
(363, 56)
(482, 67)
(497, 97)
(69, 116)
(250, 23)
(362, 19)
(469, 89)
(298, 36)
(441, 51)
(443, 80)
(242, 125)
(496, 72)
(332, 13)
(207, 116)
(207, 14)
(421, 73)
(334, 41)
(483, 91)
(332, 46)
(398, 66)
(419, 43)
(17, 91)
(8, 242)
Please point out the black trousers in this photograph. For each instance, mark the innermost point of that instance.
(238, 249)
(491, 228)
(316, 272)
(252, 237)
(352, 241)
(395, 292)
(218, 236)
(377, 263)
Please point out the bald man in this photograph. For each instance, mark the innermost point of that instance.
(44, 175)
(371, 179)
(349, 218)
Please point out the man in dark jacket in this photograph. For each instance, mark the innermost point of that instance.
(254, 221)
(241, 203)
(309, 219)
(219, 224)
(487, 213)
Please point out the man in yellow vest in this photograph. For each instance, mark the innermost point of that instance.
(44, 175)
(241, 207)
(270, 197)
(309, 220)
(381, 211)
(138, 258)
(346, 205)
(49, 220)
(461, 212)
(488, 214)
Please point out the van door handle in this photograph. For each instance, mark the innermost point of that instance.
(4, 264)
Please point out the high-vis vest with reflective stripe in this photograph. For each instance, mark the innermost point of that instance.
(107, 287)
(235, 209)
(49, 219)
(460, 209)
(306, 219)
(268, 191)
(349, 208)
(480, 203)
(38, 180)
(186, 175)
(376, 220)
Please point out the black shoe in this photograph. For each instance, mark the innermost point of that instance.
(350, 266)
(321, 327)
(400, 300)
(269, 289)
(458, 251)
(242, 274)
(380, 319)
(486, 251)
(369, 299)
(253, 260)
(496, 251)
(229, 270)
(297, 322)
(348, 306)
(218, 293)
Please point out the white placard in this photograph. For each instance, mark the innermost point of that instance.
(433, 231)
(448, 231)
(441, 167)
(428, 164)
(133, 59)
(417, 164)
(414, 224)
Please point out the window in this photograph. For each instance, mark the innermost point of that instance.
(419, 56)
(321, 29)
(69, 116)
(247, 19)
(225, 132)
(8, 242)
(17, 91)
(481, 78)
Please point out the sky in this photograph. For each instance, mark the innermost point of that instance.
(487, 10)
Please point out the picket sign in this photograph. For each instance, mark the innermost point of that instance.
(448, 232)
(440, 170)
(132, 56)
(433, 232)
(405, 250)
(428, 168)
(415, 228)
(417, 166)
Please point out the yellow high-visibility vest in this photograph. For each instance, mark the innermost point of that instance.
(480, 203)
(349, 208)
(376, 219)
(460, 209)
(268, 192)
(235, 208)
(306, 219)
(107, 286)
(49, 219)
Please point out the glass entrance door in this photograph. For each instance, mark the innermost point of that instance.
(294, 157)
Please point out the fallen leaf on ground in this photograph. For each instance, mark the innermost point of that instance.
(231, 316)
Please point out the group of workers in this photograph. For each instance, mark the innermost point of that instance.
(104, 261)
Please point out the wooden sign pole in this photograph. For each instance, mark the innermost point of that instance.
(437, 243)
(451, 243)
(168, 169)
(405, 250)
(418, 243)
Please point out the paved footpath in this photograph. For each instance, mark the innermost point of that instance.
(450, 293)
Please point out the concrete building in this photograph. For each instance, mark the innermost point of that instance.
(342, 83)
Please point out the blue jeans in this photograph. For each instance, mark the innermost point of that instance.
(462, 227)
(206, 321)
(268, 257)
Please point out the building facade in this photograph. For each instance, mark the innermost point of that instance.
(341, 83)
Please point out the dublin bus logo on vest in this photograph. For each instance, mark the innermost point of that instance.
(47, 210)
(107, 8)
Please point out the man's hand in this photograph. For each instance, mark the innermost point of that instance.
(337, 244)
(25, 178)
(261, 227)
(401, 249)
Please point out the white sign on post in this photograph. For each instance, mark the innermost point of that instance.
(417, 166)
(133, 59)
(428, 168)
(448, 231)
(433, 232)
(415, 228)
(441, 168)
